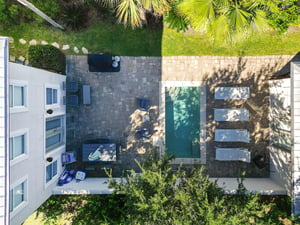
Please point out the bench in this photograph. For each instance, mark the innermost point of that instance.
(86, 94)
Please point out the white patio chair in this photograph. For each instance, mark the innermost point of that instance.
(231, 115)
(232, 135)
(232, 92)
(233, 154)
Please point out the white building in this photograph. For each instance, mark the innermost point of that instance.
(36, 137)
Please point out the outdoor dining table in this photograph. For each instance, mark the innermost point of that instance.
(99, 152)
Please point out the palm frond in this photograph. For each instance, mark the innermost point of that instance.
(238, 18)
(129, 13)
(199, 12)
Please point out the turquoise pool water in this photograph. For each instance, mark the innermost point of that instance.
(182, 121)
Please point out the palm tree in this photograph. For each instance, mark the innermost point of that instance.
(132, 12)
(225, 18)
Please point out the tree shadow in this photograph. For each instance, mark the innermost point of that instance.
(258, 105)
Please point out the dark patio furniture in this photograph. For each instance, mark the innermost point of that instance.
(68, 157)
(86, 94)
(71, 100)
(99, 152)
(72, 86)
(101, 140)
(143, 103)
(142, 133)
(103, 63)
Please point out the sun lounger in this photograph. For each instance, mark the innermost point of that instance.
(232, 92)
(232, 135)
(233, 154)
(231, 114)
(86, 94)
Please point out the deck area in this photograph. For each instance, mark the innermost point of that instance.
(113, 113)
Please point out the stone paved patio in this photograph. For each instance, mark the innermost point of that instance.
(113, 111)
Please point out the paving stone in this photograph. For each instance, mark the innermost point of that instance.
(55, 44)
(21, 58)
(65, 47)
(84, 50)
(44, 42)
(12, 58)
(76, 50)
(32, 42)
(11, 40)
(22, 41)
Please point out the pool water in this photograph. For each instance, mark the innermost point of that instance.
(182, 121)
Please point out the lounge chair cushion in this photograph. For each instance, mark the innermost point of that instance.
(233, 154)
(232, 92)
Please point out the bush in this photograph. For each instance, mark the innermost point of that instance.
(75, 16)
(47, 57)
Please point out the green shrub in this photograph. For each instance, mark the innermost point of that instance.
(75, 16)
(47, 57)
(8, 12)
(286, 13)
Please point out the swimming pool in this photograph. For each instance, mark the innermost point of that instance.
(182, 121)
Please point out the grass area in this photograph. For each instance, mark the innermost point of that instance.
(174, 43)
(113, 38)
(98, 38)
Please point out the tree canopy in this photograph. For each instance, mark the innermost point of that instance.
(161, 194)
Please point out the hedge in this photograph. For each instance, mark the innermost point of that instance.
(47, 57)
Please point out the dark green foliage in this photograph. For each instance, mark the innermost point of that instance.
(287, 13)
(75, 16)
(160, 195)
(50, 7)
(47, 57)
(164, 195)
(174, 20)
(8, 12)
(85, 209)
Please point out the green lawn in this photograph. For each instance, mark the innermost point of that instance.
(113, 38)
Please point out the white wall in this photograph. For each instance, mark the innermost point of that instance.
(295, 105)
(4, 163)
(32, 167)
(280, 158)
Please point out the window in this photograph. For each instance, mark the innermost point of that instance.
(282, 134)
(17, 196)
(51, 171)
(51, 96)
(17, 146)
(54, 133)
(17, 95)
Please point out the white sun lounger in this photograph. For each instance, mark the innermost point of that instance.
(232, 92)
(233, 154)
(232, 135)
(231, 114)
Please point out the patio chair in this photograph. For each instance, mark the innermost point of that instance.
(143, 103)
(142, 133)
(231, 115)
(233, 154)
(232, 135)
(72, 86)
(68, 157)
(71, 100)
(232, 93)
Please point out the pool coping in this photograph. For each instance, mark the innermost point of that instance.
(202, 135)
